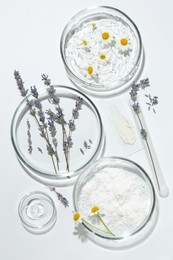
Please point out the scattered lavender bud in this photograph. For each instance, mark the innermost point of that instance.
(152, 102)
(39, 149)
(81, 151)
(85, 144)
(90, 141)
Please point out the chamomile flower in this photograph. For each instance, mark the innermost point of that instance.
(91, 71)
(95, 209)
(94, 27)
(102, 56)
(77, 217)
(83, 43)
(107, 37)
(124, 45)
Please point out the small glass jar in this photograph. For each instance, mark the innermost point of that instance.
(101, 49)
(37, 212)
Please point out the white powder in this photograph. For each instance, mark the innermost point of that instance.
(123, 198)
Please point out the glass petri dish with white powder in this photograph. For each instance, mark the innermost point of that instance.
(101, 49)
(122, 191)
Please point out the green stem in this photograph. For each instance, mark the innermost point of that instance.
(86, 222)
(101, 220)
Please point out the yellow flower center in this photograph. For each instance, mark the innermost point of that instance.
(76, 216)
(85, 42)
(102, 56)
(105, 35)
(124, 41)
(90, 70)
(94, 209)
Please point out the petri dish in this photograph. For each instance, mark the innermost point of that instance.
(125, 197)
(101, 49)
(32, 149)
(37, 212)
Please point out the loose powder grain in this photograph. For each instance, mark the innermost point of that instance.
(123, 199)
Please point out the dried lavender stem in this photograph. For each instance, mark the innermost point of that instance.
(161, 185)
(64, 135)
(55, 154)
(57, 158)
(148, 147)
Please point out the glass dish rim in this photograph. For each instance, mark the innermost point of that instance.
(94, 90)
(53, 217)
(59, 176)
(135, 232)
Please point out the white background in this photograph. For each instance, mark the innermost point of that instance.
(29, 41)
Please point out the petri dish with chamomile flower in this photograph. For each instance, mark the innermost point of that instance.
(101, 49)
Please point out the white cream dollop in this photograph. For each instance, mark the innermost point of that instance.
(124, 127)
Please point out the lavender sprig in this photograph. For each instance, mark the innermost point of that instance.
(72, 127)
(46, 125)
(163, 191)
(59, 116)
(20, 83)
(34, 104)
(60, 197)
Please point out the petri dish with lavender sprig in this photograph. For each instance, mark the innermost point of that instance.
(51, 134)
(101, 49)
